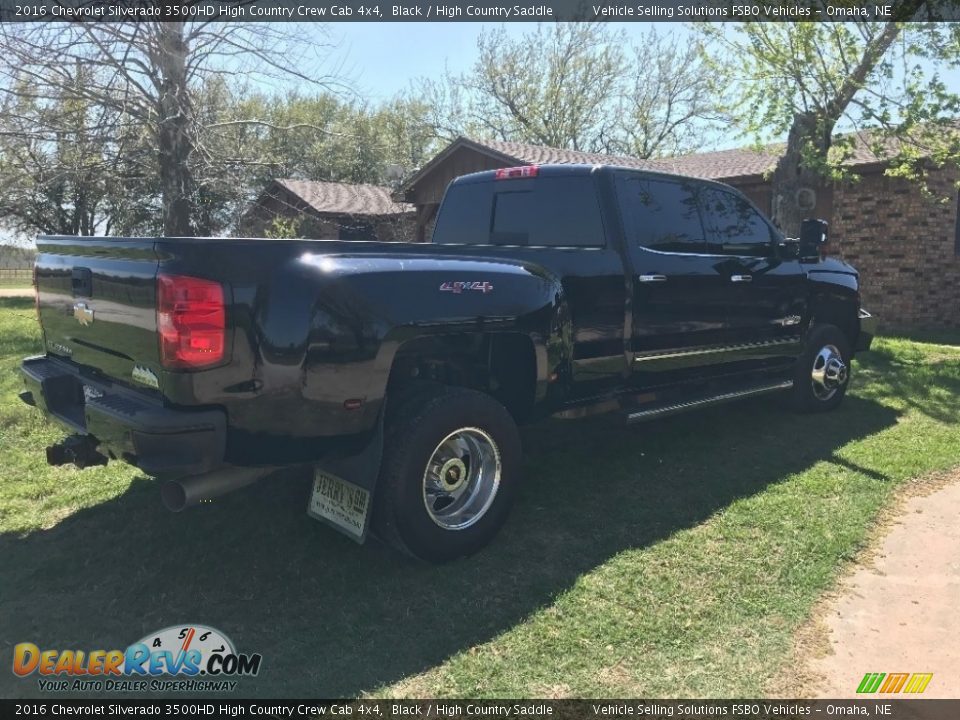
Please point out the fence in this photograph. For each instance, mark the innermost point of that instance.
(16, 276)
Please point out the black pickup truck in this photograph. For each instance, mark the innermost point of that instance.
(398, 373)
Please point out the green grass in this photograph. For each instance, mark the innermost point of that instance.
(676, 558)
(15, 284)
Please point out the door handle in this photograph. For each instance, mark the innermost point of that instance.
(652, 278)
(741, 278)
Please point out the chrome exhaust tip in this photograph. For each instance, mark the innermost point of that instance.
(177, 495)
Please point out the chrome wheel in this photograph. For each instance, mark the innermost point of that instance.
(462, 478)
(829, 373)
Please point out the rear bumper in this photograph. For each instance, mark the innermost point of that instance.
(127, 424)
(868, 329)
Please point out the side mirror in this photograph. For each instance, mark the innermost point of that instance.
(813, 235)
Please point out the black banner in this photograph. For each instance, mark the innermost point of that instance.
(476, 10)
(875, 707)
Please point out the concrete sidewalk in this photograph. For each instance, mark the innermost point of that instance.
(898, 612)
(16, 292)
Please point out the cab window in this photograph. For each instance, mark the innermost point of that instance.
(464, 217)
(734, 227)
(662, 215)
(559, 211)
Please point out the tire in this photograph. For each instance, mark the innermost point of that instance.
(449, 475)
(819, 382)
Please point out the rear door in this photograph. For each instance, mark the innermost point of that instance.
(97, 304)
(552, 217)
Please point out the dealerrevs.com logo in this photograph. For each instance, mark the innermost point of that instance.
(181, 658)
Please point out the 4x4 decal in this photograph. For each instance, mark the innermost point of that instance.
(458, 287)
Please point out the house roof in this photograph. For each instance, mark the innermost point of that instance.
(516, 153)
(719, 165)
(740, 162)
(716, 165)
(332, 198)
(544, 155)
(748, 162)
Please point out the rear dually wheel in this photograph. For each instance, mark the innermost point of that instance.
(449, 474)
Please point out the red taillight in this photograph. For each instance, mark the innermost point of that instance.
(527, 171)
(191, 320)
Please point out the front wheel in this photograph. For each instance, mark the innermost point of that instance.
(822, 372)
(449, 474)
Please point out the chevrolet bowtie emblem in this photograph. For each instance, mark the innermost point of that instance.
(83, 313)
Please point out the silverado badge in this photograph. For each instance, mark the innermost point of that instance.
(83, 313)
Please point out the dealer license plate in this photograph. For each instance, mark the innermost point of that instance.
(340, 503)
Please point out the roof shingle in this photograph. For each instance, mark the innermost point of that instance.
(346, 199)
(716, 165)
(544, 155)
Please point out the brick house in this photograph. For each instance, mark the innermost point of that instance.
(906, 245)
(330, 211)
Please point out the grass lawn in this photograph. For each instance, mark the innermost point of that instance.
(675, 558)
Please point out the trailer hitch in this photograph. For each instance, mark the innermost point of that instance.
(79, 450)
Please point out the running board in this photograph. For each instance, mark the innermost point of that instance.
(652, 413)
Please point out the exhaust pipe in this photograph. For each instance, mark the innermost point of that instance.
(180, 494)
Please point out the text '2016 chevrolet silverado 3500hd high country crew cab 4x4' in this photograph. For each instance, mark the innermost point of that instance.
(398, 372)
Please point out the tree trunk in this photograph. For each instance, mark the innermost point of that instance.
(791, 174)
(174, 142)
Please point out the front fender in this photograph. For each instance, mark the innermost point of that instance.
(835, 299)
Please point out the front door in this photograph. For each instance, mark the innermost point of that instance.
(680, 292)
(767, 289)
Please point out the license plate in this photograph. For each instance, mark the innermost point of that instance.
(340, 503)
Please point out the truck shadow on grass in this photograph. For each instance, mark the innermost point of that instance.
(335, 619)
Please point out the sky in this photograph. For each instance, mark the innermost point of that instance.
(385, 57)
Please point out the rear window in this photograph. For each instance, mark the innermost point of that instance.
(464, 217)
(543, 211)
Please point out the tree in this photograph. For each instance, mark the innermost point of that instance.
(405, 135)
(152, 74)
(668, 103)
(67, 167)
(578, 86)
(13, 257)
(550, 87)
(321, 137)
(803, 79)
(328, 137)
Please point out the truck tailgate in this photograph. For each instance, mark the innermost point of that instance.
(97, 304)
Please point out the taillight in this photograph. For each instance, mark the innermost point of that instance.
(527, 171)
(191, 321)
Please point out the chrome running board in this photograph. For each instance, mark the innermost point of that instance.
(641, 415)
(714, 349)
